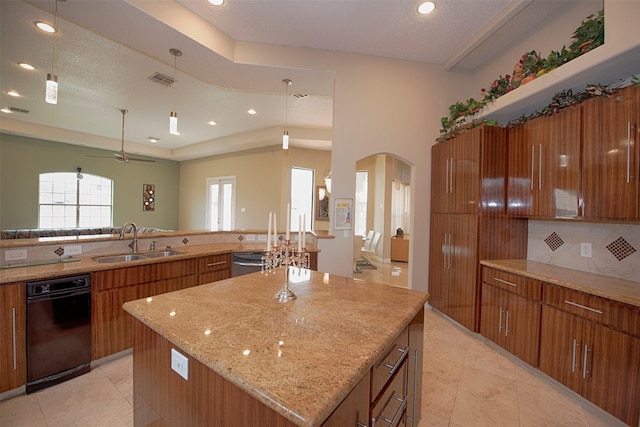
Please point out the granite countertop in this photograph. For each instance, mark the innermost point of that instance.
(301, 358)
(86, 263)
(615, 289)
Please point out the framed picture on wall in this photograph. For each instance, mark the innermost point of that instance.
(343, 214)
(322, 203)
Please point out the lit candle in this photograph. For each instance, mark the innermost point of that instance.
(304, 230)
(269, 233)
(299, 233)
(288, 224)
(275, 231)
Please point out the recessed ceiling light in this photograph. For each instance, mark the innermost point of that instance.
(153, 139)
(26, 66)
(252, 111)
(6, 110)
(216, 2)
(13, 93)
(426, 7)
(47, 28)
(212, 123)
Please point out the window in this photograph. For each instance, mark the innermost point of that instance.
(221, 201)
(302, 181)
(73, 200)
(360, 208)
(400, 206)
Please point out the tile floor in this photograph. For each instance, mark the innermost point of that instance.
(467, 383)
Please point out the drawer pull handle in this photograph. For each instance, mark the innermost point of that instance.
(505, 282)
(584, 362)
(500, 321)
(506, 328)
(213, 264)
(15, 337)
(573, 357)
(397, 415)
(394, 368)
(575, 304)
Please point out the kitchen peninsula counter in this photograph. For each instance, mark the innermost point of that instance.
(299, 359)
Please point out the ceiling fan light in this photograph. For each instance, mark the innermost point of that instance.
(426, 7)
(173, 123)
(46, 27)
(26, 66)
(51, 92)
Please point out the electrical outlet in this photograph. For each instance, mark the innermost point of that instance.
(585, 250)
(15, 255)
(250, 237)
(262, 237)
(180, 364)
(72, 250)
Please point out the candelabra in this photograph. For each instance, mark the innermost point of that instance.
(284, 255)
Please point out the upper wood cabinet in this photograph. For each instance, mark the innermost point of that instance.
(13, 355)
(610, 155)
(468, 172)
(544, 166)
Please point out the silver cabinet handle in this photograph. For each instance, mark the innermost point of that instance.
(393, 368)
(497, 279)
(446, 179)
(15, 350)
(628, 152)
(584, 362)
(506, 326)
(540, 169)
(573, 357)
(451, 175)
(213, 264)
(450, 249)
(500, 321)
(575, 304)
(533, 157)
(398, 413)
(358, 423)
(416, 371)
(445, 251)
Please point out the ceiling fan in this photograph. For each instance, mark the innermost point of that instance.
(121, 156)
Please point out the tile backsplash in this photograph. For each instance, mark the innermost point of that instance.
(615, 248)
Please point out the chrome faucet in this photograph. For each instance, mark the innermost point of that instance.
(135, 235)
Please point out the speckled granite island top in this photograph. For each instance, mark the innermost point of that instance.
(612, 288)
(300, 358)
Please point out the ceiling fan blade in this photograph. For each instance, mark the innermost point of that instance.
(99, 157)
(133, 159)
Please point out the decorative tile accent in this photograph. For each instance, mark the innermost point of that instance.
(59, 251)
(240, 238)
(554, 241)
(131, 245)
(185, 241)
(620, 248)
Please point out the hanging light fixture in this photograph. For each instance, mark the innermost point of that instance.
(327, 182)
(51, 91)
(285, 135)
(173, 117)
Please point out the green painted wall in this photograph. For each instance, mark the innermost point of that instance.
(23, 159)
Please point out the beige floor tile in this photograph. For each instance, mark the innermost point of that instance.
(120, 373)
(482, 356)
(541, 405)
(22, 410)
(429, 420)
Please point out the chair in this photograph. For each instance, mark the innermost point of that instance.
(369, 248)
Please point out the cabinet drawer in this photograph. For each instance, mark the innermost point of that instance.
(511, 282)
(390, 363)
(214, 263)
(620, 316)
(128, 276)
(390, 408)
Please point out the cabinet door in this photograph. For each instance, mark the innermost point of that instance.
(610, 156)
(440, 177)
(557, 140)
(465, 171)
(439, 272)
(354, 409)
(463, 266)
(13, 366)
(520, 174)
(492, 319)
(522, 328)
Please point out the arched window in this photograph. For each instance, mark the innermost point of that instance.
(75, 200)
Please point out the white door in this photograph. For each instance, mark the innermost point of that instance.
(221, 201)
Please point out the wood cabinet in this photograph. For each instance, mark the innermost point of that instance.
(544, 166)
(400, 249)
(511, 308)
(13, 356)
(610, 160)
(212, 268)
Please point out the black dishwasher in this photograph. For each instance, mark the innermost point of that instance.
(58, 330)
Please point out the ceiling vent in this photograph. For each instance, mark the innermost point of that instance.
(18, 110)
(299, 95)
(162, 79)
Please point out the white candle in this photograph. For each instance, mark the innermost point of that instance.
(269, 233)
(304, 230)
(299, 233)
(275, 231)
(288, 224)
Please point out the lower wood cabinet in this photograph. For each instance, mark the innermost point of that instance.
(13, 356)
(212, 268)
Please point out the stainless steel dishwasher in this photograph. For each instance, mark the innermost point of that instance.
(58, 330)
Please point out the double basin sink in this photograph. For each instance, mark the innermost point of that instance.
(135, 257)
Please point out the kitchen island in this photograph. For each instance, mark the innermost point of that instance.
(254, 361)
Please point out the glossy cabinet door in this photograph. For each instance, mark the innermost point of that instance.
(13, 356)
(440, 177)
(544, 166)
(610, 156)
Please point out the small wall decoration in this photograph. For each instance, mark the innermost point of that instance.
(343, 218)
(322, 203)
(148, 197)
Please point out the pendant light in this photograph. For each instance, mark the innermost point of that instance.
(173, 117)
(51, 91)
(285, 136)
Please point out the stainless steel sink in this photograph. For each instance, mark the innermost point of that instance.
(135, 257)
(119, 258)
(161, 254)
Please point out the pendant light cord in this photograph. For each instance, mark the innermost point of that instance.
(55, 26)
